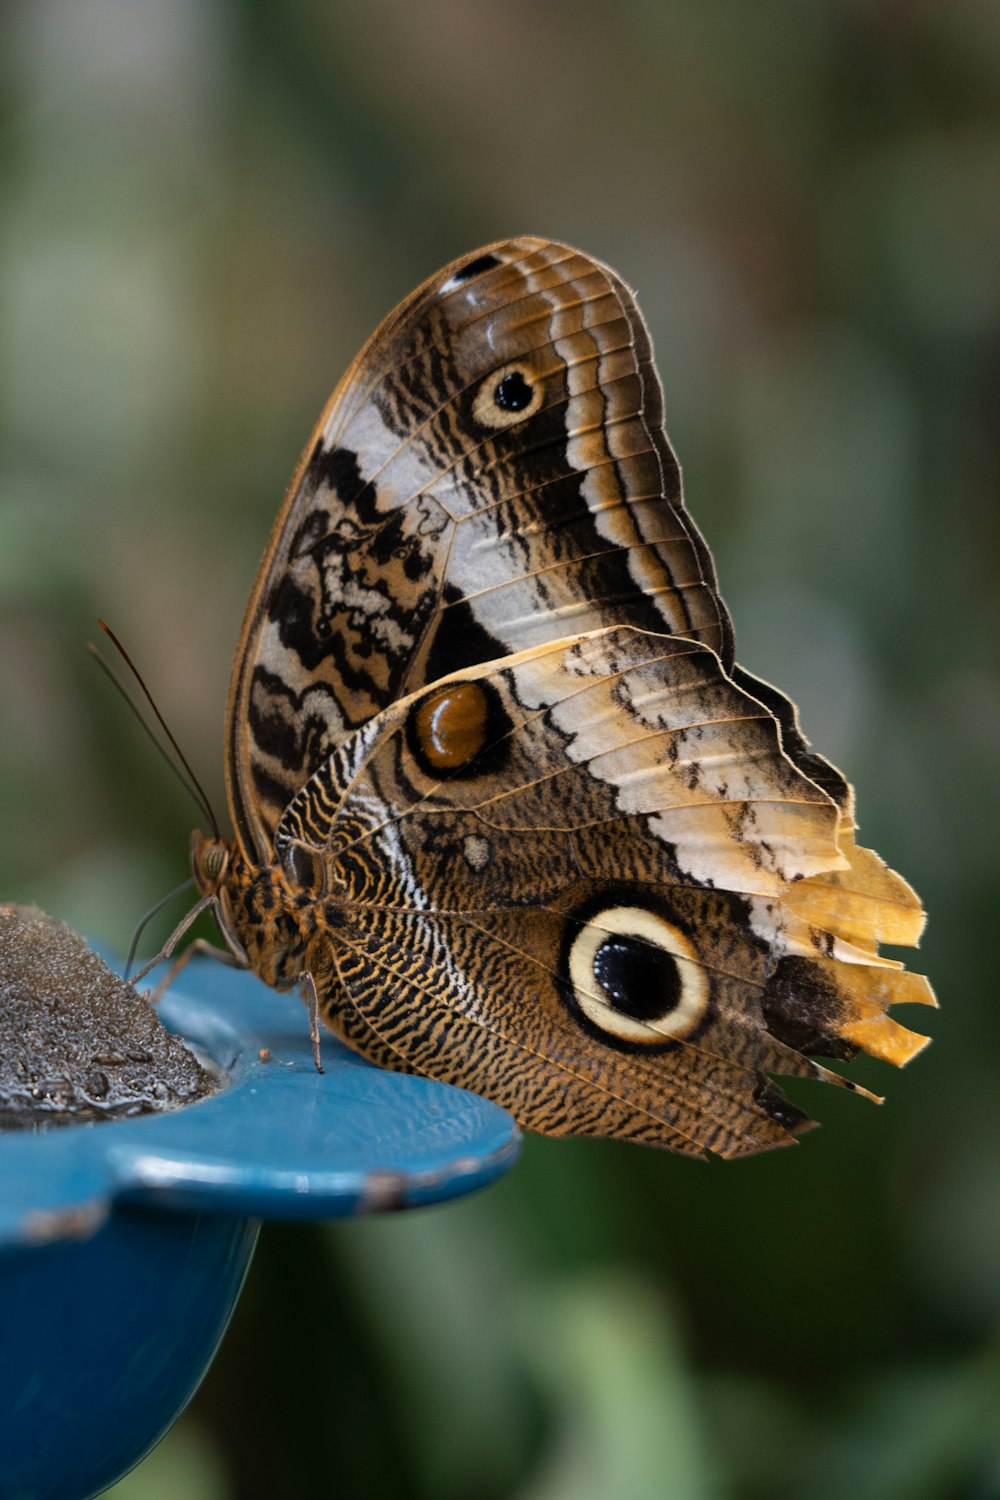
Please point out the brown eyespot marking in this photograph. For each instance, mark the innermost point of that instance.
(510, 395)
(455, 730)
(636, 978)
(451, 725)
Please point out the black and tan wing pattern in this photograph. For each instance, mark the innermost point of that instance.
(588, 882)
(505, 805)
(492, 473)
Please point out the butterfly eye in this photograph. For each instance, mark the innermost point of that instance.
(636, 976)
(509, 395)
(210, 859)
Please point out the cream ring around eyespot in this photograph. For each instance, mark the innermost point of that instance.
(684, 1012)
(519, 379)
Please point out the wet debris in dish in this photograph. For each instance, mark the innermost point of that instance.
(77, 1043)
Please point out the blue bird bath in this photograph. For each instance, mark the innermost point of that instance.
(124, 1244)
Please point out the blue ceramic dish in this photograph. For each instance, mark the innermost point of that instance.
(123, 1245)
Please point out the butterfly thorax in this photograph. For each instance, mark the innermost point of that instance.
(255, 907)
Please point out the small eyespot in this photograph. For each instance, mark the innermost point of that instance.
(637, 977)
(511, 394)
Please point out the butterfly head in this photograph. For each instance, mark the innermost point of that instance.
(210, 861)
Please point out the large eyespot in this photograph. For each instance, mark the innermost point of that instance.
(509, 395)
(458, 729)
(636, 976)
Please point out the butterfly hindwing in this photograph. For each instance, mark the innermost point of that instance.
(561, 879)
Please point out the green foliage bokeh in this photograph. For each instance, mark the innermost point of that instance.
(207, 205)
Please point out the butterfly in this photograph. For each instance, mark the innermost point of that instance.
(505, 807)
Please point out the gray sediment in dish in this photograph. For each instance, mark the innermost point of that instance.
(78, 1044)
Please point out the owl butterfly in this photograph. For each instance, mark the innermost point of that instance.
(505, 807)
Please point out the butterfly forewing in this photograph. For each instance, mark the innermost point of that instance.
(492, 473)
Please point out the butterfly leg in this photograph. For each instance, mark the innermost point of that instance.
(200, 945)
(236, 956)
(312, 1002)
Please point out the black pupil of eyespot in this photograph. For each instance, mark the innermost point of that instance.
(513, 393)
(638, 978)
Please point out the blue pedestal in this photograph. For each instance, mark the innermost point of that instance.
(123, 1246)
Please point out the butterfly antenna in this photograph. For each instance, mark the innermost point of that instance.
(171, 764)
(193, 785)
(153, 911)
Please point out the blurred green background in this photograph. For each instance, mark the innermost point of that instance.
(207, 205)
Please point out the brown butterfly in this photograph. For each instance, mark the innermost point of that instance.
(505, 807)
